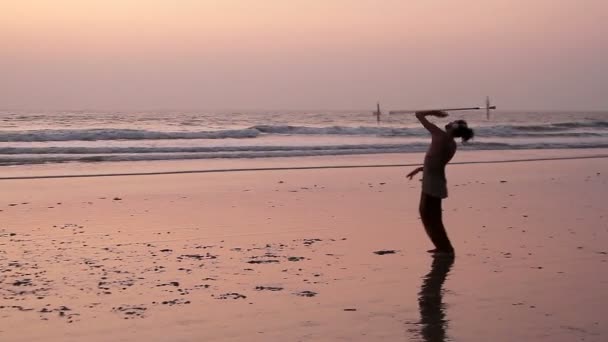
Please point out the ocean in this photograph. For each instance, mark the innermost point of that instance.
(86, 137)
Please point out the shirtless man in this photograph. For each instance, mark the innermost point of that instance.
(434, 184)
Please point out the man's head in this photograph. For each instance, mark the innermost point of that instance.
(460, 129)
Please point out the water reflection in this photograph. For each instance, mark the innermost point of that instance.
(433, 319)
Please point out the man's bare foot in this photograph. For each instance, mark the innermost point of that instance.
(439, 252)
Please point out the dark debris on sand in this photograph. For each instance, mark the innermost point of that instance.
(197, 256)
(131, 311)
(231, 295)
(386, 251)
(268, 261)
(175, 302)
(268, 288)
(117, 270)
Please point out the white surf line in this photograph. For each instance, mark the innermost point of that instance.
(292, 168)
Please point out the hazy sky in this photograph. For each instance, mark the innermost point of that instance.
(312, 54)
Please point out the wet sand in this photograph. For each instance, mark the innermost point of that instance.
(306, 255)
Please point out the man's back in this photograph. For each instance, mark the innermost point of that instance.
(440, 152)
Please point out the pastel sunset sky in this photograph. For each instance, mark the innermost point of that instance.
(313, 54)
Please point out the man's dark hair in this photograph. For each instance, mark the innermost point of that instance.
(463, 131)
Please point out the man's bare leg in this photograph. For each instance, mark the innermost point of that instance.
(431, 214)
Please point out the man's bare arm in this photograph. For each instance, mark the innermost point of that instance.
(421, 116)
(414, 172)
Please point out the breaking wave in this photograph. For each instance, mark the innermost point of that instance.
(565, 129)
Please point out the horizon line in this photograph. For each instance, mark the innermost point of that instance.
(256, 110)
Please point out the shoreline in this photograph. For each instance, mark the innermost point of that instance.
(141, 168)
(291, 168)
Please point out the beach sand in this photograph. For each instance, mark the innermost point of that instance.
(289, 255)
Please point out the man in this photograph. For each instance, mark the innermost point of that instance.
(434, 184)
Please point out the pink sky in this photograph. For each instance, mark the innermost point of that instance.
(314, 54)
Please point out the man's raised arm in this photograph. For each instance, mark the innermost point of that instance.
(421, 116)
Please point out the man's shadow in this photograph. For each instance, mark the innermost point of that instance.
(433, 319)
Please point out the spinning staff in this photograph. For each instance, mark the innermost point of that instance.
(434, 182)
(487, 108)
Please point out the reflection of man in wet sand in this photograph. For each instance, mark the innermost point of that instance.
(434, 184)
(430, 301)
